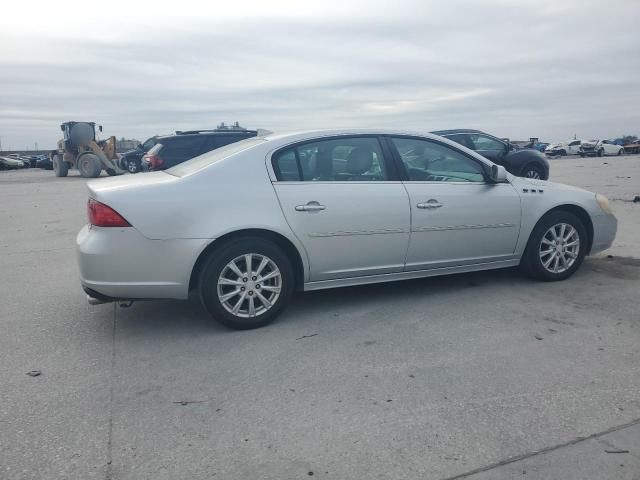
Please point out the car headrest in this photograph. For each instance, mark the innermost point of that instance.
(359, 161)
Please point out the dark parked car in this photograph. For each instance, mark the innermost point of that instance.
(528, 163)
(174, 149)
(131, 160)
(45, 162)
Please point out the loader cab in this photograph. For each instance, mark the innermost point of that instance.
(76, 134)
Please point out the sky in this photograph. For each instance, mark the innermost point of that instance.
(517, 69)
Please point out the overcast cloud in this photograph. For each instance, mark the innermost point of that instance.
(514, 68)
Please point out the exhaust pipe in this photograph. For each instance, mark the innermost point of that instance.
(94, 301)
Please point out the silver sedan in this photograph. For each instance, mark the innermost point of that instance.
(247, 225)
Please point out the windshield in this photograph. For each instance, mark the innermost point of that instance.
(209, 158)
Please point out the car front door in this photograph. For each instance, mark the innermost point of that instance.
(610, 148)
(457, 217)
(573, 147)
(346, 205)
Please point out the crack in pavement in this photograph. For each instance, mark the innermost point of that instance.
(525, 456)
(108, 475)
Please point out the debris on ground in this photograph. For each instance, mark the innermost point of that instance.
(538, 337)
(34, 373)
(307, 336)
(616, 450)
(187, 402)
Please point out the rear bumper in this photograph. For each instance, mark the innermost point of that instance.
(120, 263)
(605, 228)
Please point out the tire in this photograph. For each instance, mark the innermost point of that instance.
(563, 153)
(60, 167)
(534, 258)
(111, 172)
(89, 165)
(532, 170)
(582, 155)
(217, 267)
(132, 166)
(601, 152)
(621, 152)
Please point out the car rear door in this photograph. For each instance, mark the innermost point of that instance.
(457, 217)
(343, 200)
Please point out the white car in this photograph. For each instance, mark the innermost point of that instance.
(572, 147)
(246, 225)
(600, 148)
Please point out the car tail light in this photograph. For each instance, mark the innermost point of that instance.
(102, 215)
(154, 161)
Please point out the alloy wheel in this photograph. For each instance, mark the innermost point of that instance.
(249, 285)
(559, 248)
(532, 173)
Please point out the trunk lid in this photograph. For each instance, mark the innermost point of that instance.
(139, 198)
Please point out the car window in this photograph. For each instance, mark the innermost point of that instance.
(462, 139)
(183, 147)
(345, 159)
(147, 145)
(221, 140)
(483, 142)
(429, 161)
(213, 156)
(574, 143)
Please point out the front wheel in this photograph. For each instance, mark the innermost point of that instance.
(601, 152)
(89, 165)
(132, 166)
(556, 248)
(621, 151)
(246, 283)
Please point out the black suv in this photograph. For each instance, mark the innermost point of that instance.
(174, 149)
(131, 160)
(528, 163)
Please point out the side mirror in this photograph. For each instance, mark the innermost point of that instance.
(498, 174)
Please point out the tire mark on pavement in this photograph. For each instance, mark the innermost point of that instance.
(525, 456)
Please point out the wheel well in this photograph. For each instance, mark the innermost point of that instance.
(582, 214)
(280, 240)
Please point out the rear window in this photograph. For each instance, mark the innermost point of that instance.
(180, 148)
(209, 158)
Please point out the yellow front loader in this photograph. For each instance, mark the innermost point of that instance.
(80, 149)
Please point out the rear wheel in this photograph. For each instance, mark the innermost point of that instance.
(533, 171)
(621, 151)
(563, 153)
(89, 165)
(556, 248)
(247, 283)
(60, 167)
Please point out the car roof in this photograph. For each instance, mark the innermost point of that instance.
(311, 134)
(457, 130)
(197, 133)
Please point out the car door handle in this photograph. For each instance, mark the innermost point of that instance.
(310, 207)
(429, 204)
